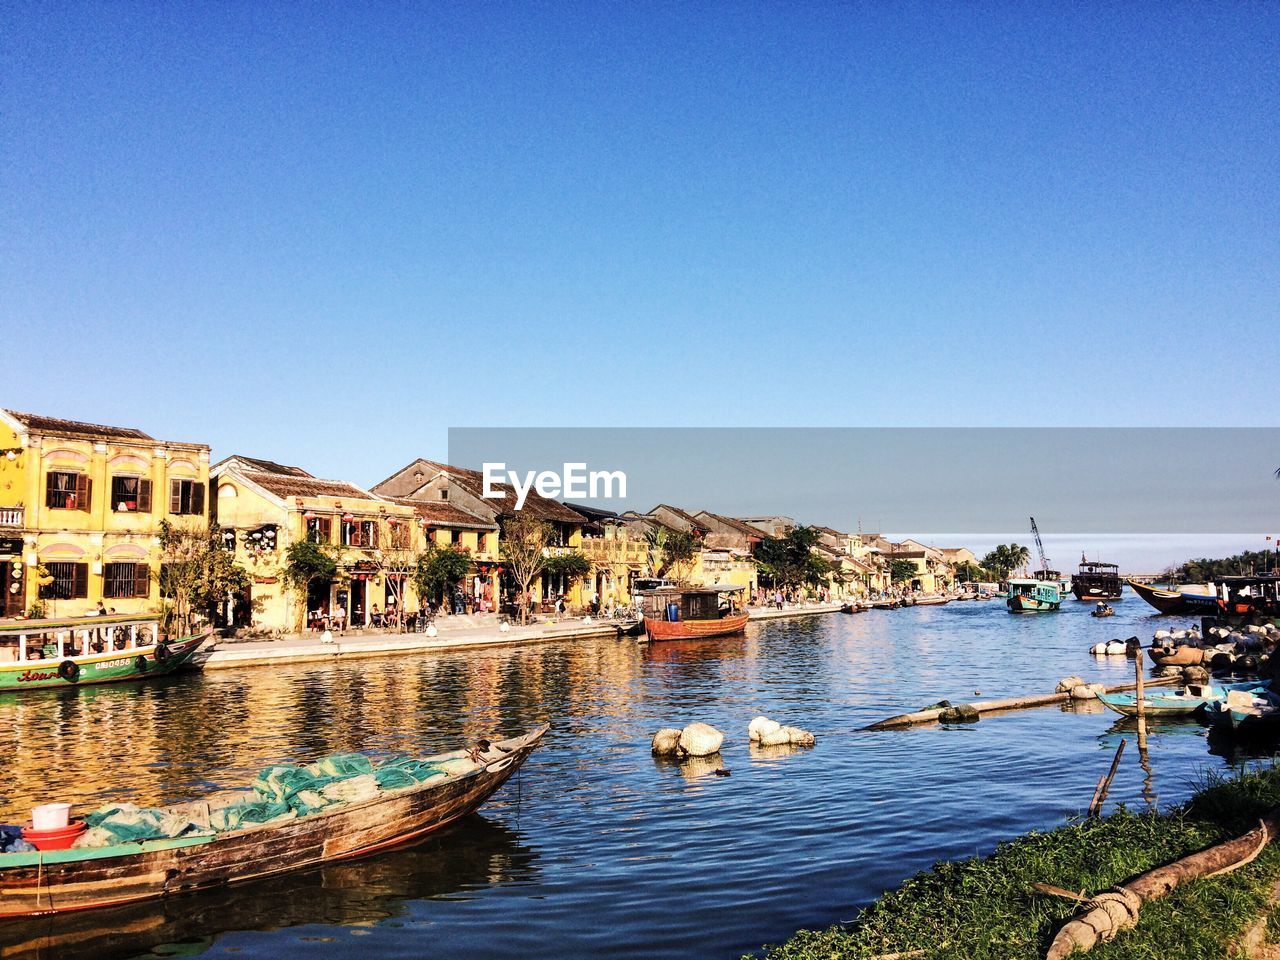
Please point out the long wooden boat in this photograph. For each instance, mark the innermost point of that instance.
(38, 654)
(82, 878)
(1181, 702)
(930, 601)
(888, 603)
(1179, 602)
(687, 613)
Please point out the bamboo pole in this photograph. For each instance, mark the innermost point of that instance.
(1104, 785)
(1140, 693)
(994, 706)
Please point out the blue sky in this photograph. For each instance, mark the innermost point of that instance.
(326, 233)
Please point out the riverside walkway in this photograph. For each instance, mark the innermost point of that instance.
(454, 633)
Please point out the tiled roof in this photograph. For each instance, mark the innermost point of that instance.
(535, 505)
(270, 466)
(75, 428)
(283, 485)
(441, 514)
(745, 529)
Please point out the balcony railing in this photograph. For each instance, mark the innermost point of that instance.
(10, 516)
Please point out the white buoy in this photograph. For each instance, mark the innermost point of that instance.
(503, 627)
(326, 637)
(431, 630)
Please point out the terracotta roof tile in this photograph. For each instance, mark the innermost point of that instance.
(75, 428)
(283, 485)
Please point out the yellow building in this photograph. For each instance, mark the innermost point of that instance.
(84, 502)
(426, 481)
(263, 508)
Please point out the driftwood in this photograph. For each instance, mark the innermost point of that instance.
(1104, 784)
(1116, 910)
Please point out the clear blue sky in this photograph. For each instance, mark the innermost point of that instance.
(324, 233)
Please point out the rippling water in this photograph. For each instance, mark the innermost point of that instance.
(597, 848)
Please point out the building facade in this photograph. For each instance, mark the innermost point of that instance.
(81, 508)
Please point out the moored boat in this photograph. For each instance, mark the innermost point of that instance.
(1185, 602)
(80, 878)
(1027, 595)
(933, 601)
(1183, 655)
(853, 607)
(1097, 580)
(37, 654)
(684, 613)
(1181, 702)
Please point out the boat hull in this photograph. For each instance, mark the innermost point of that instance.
(110, 667)
(694, 629)
(1176, 602)
(1021, 604)
(33, 884)
(1181, 656)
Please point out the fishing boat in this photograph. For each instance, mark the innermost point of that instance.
(38, 654)
(887, 603)
(1097, 580)
(81, 878)
(1181, 702)
(684, 613)
(1028, 595)
(1102, 610)
(1247, 712)
(1188, 601)
(853, 607)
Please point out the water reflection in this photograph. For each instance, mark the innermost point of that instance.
(474, 855)
(622, 844)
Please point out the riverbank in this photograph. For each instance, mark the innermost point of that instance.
(987, 908)
(466, 633)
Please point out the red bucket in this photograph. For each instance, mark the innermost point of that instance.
(59, 839)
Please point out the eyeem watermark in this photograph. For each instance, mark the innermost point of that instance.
(575, 481)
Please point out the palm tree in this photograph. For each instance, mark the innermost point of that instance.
(1019, 556)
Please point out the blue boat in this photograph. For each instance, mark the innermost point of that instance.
(1181, 702)
(1027, 595)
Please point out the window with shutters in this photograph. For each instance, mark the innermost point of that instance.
(399, 533)
(120, 580)
(68, 491)
(70, 581)
(359, 533)
(186, 497)
(320, 529)
(130, 495)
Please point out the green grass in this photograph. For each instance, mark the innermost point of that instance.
(985, 908)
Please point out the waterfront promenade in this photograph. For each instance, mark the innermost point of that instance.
(460, 633)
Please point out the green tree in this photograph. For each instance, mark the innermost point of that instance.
(572, 566)
(438, 569)
(791, 560)
(524, 547)
(196, 575)
(902, 571)
(306, 563)
(967, 572)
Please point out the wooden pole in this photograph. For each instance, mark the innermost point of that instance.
(1140, 693)
(1104, 785)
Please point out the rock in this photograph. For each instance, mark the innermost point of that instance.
(1087, 691)
(803, 738)
(775, 738)
(963, 713)
(1195, 675)
(1066, 684)
(700, 740)
(760, 726)
(666, 742)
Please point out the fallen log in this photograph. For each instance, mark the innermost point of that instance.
(1110, 913)
(994, 706)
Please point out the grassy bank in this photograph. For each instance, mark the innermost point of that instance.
(985, 908)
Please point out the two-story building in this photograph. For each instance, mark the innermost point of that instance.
(81, 506)
(439, 483)
(263, 508)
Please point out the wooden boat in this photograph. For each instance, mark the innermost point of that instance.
(1181, 702)
(1097, 580)
(1182, 602)
(853, 608)
(1102, 611)
(1183, 655)
(935, 601)
(888, 603)
(1033, 596)
(1247, 713)
(82, 878)
(36, 654)
(684, 613)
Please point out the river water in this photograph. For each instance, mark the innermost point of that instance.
(596, 848)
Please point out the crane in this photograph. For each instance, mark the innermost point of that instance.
(1044, 562)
